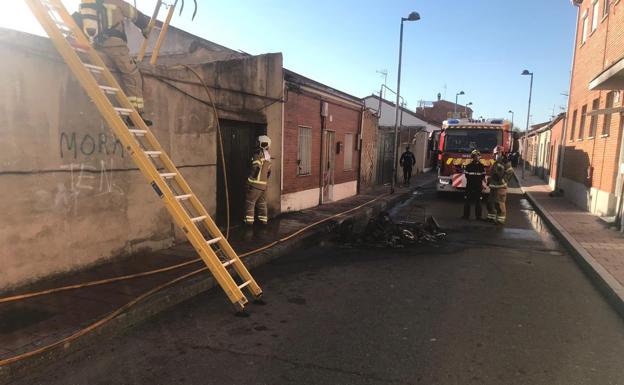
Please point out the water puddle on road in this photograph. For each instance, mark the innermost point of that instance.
(540, 229)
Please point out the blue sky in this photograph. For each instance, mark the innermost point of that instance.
(478, 46)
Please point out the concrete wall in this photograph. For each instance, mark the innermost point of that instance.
(180, 47)
(71, 196)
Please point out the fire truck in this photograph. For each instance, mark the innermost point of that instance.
(459, 137)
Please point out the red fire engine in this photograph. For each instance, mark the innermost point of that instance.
(459, 137)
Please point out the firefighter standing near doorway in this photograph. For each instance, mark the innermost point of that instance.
(475, 174)
(500, 174)
(257, 182)
(103, 23)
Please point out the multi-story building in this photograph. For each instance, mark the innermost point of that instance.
(441, 110)
(593, 160)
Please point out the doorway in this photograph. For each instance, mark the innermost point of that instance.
(239, 140)
(329, 166)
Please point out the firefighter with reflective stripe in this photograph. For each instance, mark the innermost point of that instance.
(475, 174)
(257, 182)
(103, 23)
(500, 175)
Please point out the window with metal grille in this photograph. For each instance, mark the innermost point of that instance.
(304, 155)
(583, 120)
(348, 153)
(593, 123)
(606, 126)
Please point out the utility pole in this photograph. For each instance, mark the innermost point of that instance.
(414, 16)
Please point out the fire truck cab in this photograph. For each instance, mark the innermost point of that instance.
(459, 137)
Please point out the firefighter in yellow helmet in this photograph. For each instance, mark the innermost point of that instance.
(500, 175)
(103, 23)
(257, 182)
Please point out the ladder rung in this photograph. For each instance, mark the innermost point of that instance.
(244, 284)
(168, 175)
(213, 241)
(61, 24)
(94, 69)
(184, 197)
(49, 4)
(138, 132)
(230, 262)
(153, 154)
(198, 219)
(109, 90)
(123, 111)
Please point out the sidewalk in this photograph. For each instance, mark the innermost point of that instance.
(27, 325)
(597, 249)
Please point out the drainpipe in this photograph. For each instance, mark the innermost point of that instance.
(359, 147)
(322, 168)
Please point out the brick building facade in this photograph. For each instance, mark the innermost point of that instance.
(319, 123)
(592, 173)
(544, 148)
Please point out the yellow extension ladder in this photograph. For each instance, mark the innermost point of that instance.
(114, 106)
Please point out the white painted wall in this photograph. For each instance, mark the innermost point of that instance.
(300, 200)
(388, 115)
(595, 201)
(345, 190)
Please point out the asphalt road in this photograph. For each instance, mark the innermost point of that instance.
(488, 305)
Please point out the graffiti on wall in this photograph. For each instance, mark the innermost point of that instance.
(85, 181)
(73, 145)
(91, 178)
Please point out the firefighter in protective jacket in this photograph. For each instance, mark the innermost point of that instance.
(257, 182)
(475, 175)
(500, 175)
(103, 23)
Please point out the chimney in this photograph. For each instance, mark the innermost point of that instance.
(439, 96)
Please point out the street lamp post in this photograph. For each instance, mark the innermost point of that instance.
(526, 130)
(456, 101)
(466, 109)
(414, 16)
(512, 119)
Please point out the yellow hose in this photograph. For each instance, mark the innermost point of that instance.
(145, 295)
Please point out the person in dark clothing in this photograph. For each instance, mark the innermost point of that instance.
(407, 161)
(475, 174)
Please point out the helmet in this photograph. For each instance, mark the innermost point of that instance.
(475, 153)
(498, 150)
(264, 141)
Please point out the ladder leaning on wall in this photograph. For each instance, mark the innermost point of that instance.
(145, 150)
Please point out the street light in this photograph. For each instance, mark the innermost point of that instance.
(414, 16)
(512, 119)
(466, 109)
(526, 131)
(456, 100)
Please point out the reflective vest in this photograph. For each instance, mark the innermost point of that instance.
(260, 169)
(500, 174)
(102, 19)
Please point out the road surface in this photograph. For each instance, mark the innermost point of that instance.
(488, 305)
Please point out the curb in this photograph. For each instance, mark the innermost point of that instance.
(183, 291)
(600, 277)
